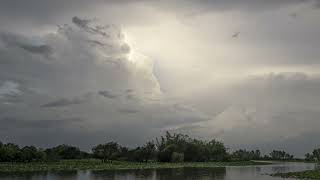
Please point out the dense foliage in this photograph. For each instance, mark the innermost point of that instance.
(314, 156)
(13, 153)
(280, 155)
(167, 148)
(244, 155)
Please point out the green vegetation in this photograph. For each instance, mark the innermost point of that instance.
(168, 148)
(169, 151)
(281, 155)
(94, 164)
(314, 156)
(13, 153)
(311, 174)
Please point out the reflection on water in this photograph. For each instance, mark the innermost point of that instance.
(228, 173)
(162, 174)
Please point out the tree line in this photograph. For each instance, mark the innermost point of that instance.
(167, 148)
(13, 153)
(314, 156)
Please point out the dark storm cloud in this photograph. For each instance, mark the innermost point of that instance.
(190, 7)
(128, 111)
(45, 11)
(107, 94)
(8, 123)
(265, 109)
(41, 11)
(98, 43)
(63, 102)
(13, 40)
(83, 57)
(41, 49)
(84, 24)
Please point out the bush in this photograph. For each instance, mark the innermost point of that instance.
(177, 157)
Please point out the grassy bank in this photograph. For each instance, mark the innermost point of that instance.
(92, 164)
(311, 174)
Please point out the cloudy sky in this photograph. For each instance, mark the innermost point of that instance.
(85, 72)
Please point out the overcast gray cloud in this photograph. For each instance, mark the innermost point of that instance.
(77, 81)
(84, 72)
(11, 123)
(107, 94)
(274, 108)
(63, 102)
(46, 12)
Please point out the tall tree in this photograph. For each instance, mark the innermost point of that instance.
(108, 151)
(316, 154)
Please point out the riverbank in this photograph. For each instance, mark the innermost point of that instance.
(311, 174)
(93, 164)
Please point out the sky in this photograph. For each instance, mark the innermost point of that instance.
(80, 72)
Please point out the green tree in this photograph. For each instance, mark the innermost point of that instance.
(177, 157)
(192, 149)
(309, 157)
(242, 155)
(216, 151)
(64, 152)
(29, 153)
(257, 154)
(11, 152)
(165, 154)
(148, 151)
(2, 152)
(280, 155)
(316, 154)
(109, 151)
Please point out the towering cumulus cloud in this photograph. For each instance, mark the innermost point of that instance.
(83, 78)
(85, 72)
(77, 59)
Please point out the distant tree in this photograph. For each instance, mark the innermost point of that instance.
(216, 151)
(169, 144)
(266, 157)
(177, 157)
(191, 149)
(29, 153)
(52, 155)
(106, 152)
(280, 155)
(244, 155)
(194, 151)
(309, 157)
(316, 154)
(124, 154)
(257, 154)
(85, 155)
(64, 152)
(11, 153)
(172, 147)
(2, 152)
(135, 155)
(41, 155)
(148, 151)
(164, 155)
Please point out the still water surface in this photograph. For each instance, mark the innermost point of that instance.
(223, 173)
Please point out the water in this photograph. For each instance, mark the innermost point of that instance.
(222, 173)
